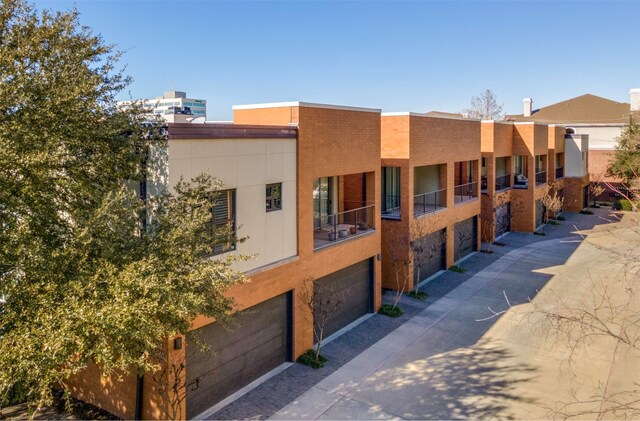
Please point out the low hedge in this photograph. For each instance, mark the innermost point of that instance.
(623, 204)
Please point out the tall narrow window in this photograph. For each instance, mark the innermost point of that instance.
(390, 189)
(322, 201)
(274, 197)
(521, 165)
(223, 214)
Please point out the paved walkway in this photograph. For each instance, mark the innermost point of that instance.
(447, 362)
(278, 392)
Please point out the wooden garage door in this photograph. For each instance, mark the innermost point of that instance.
(353, 286)
(539, 213)
(258, 342)
(431, 255)
(503, 219)
(465, 237)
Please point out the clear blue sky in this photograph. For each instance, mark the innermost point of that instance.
(395, 55)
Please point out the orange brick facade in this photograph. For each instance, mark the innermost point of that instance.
(410, 141)
(354, 145)
(506, 140)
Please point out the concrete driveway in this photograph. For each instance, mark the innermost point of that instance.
(456, 359)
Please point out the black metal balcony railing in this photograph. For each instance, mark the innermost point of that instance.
(465, 192)
(342, 226)
(429, 202)
(503, 182)
(559, 172)
(390, 206)
(541, 177)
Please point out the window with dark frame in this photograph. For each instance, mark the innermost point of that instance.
(274, 197)
(223, 215)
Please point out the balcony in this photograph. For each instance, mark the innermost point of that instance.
(390, 206)
(541, 178)
(465, 192)
(559, 172)
(503, 182)
(429, 202)
(343, 226)
(520, 182)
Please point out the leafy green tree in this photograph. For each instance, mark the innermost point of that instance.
(82, 280)
(625, 163)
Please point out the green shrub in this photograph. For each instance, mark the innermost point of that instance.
(623, 204)
(552, 222)
(586, 212)
(390, 310)
(560, 218)
(539, 233)
(458, 269)
(418, 295)
(309, 359)
(15, 395)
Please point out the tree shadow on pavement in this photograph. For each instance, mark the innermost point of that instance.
(477, 382)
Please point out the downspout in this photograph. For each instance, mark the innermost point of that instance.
(364, 189)
(139, 387)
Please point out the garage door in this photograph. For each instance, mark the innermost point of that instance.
(352, 289)
(258, 342)
(465, 237)
(430, 255)
(503, 219)
(539, 213)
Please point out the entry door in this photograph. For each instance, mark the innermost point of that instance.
(322, 203)
(503, 219)
(540, 210)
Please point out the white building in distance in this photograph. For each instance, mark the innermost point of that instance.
(173, 105)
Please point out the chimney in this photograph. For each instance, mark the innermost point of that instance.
(527, 103)
(634, 96)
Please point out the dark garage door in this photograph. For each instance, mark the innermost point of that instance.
(503, 219)
(430, 255)
(465, 237)
(353, 286)
(539, 213)
(258, 342)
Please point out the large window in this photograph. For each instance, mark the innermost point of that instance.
(224, 221)
(521, 165)
(322, 201)
(274, 197)
(391, 191)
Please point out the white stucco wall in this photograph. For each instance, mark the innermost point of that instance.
(576, 155)
(600, 137)
(246, 165)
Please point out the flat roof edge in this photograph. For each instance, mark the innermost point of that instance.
(425, 115)
(305, 104)
(229, 131)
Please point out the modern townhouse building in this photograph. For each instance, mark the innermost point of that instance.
(329, 198)
(601, 119)
(430, 193)
(301, 183)
(498, 178)
(518, 160)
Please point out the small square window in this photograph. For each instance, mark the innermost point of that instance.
(274, 197)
